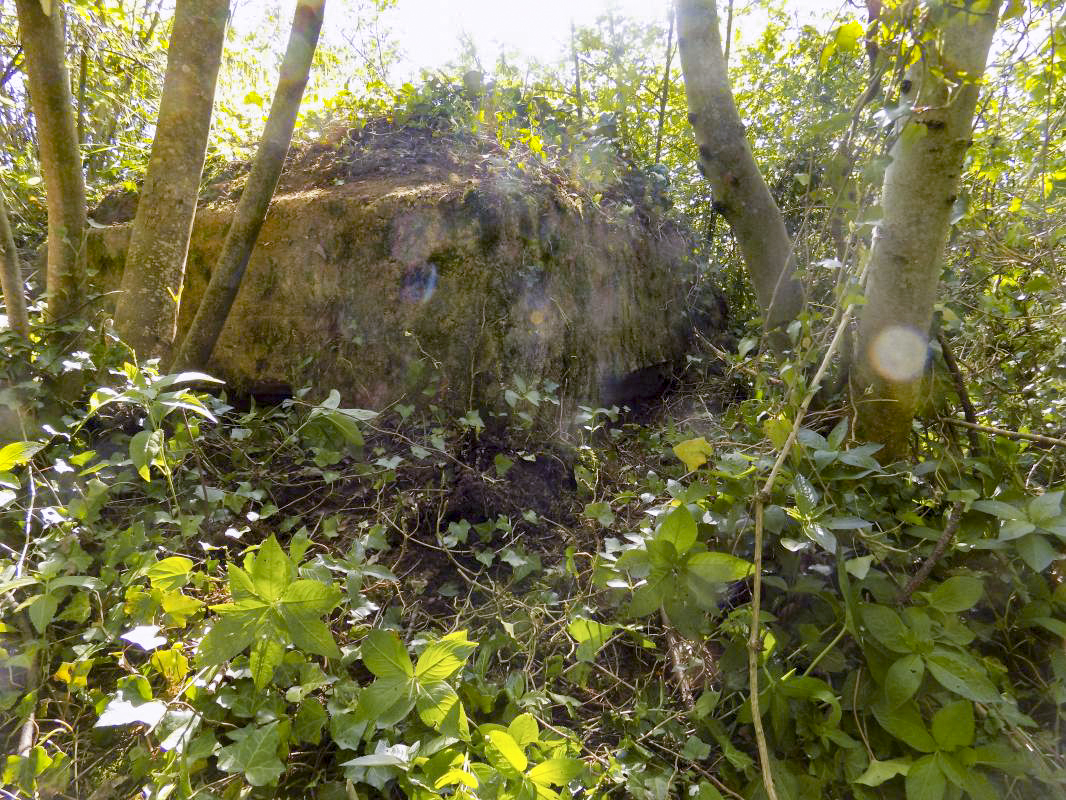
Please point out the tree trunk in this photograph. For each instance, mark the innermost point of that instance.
(11, 278)
(57, 139)
(740, 193)
(147, 311)
(917, 198)
(251, 210)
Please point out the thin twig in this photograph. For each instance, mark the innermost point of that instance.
(960, 389)
(1051, 441)
(950, 529)
(674, 646)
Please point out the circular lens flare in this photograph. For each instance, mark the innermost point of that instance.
(898, 353)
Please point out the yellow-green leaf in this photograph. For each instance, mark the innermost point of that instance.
(693, 452)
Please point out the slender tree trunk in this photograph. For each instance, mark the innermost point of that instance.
(665, 96)
(919, 192)
(252, 207)
(740, 193)
(11, 278)
(57, 139)
(578, 100)
(147, 312)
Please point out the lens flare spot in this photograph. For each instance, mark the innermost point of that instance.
(899, 353)
(537, 318)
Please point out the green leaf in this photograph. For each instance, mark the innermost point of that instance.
(255, 754)
(903, 679)
(904, 723)
(267, 653)
(145, 446)
(270, 570)
(838, 434)
(309, 721)
(42, 610)
(385, 656)
(885, 625)
(959, 593)
(590, 636)
(311, 635)
(960, 673)
(309, 598)
(443, 658)
(387, 701)
(170, 573)
(925, 781)
(230, 634)
(556, 771)
(1042, 509)
(999, 509)
(524, 730)
(953, 725)
(706, 574)
(509, 750)
(440, 708)
(1036, 552)
(880, 771)
(679, 528)
(18, 453)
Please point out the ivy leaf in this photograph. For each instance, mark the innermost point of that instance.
(385, 656)
(145, 637)
(443, 658)
(124, 711)
(693, 452)
(903, 679)
(959, 593)
(953, 725)
(925, 781)
(255, 754)
(679, 529)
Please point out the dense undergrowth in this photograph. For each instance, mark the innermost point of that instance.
(311, 601)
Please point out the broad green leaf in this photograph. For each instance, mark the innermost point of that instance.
(255, 755)
(998, 508)
(590, 636)
(905, 723)
(880, 771)
(838, 434)
(309, 721)
(1035, 551)
(510, 751)
(440, 708)
(679, 529)
(556, 771)
(310, 635)
(266, 655)
(271, 570)
(310, 598)
(925, 781)
(524, 729)
(230, 634)
(1042, 509)
(903, 679)
(387, 701)
(959, 593)
(42, 610)
(18, 453)
(693, 452)
(443, 658)
(145, 447)
(885, 625)
(385, 656)
(953, 725)
(706, 573)
(961, 674)
(170, 573)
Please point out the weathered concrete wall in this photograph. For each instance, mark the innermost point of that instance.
(383, 287)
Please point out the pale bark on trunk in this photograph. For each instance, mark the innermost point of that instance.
(919, 192)
(146, 315)
(57, 140)
(252, 207)
(740, 192)
(11, 278)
